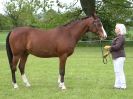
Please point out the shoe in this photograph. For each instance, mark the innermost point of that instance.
(123, 88)
(117, 87)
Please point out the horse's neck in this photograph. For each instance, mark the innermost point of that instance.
(78, 30)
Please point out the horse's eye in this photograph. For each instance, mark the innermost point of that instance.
(99, 24)
(94, 23)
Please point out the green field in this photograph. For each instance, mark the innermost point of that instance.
(86, 77)
(2, 36)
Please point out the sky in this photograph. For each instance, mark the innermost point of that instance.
(1, 6)
(2, 2)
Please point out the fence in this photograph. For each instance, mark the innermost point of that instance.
(92, 43)
(96, 43)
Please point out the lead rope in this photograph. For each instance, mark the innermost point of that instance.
(104, 59)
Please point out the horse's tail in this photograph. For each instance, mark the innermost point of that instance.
(8, 49)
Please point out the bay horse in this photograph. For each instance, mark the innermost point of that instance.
(58, 42)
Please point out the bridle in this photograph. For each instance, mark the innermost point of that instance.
(105, 61)
(96, 23)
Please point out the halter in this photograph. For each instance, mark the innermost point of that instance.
(105, 61)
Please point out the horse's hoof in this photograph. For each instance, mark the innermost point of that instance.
(15, 86)
(27, 85)
(62, 86)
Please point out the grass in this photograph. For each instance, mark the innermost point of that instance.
(2, 36)
(86, 77)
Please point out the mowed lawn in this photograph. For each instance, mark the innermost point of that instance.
(86, 77)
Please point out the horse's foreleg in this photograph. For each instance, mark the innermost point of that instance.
(22, 68)
(13, 70)
(62, 71)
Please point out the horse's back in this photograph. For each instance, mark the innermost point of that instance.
(41, 43)
(35, 41)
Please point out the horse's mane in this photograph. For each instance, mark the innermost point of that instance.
(75, 21)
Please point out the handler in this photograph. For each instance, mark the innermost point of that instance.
(118, 55)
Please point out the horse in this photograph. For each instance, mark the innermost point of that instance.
(57, 42)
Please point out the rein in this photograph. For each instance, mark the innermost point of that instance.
(104, 59)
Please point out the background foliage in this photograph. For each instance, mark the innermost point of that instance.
(41, 14)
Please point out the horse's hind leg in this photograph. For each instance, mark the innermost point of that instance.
(13, 70)
(23, 60)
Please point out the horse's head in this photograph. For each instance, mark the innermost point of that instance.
(97, 27)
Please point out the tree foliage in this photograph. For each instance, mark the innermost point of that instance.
(4, 22)
(115, 11)
(41, 13)
(110, 12)
(21, 12)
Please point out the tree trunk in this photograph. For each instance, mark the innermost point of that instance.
(88, 6)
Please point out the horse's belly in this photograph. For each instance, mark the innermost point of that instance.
(43, 54)
(46, 55)
(41, 50)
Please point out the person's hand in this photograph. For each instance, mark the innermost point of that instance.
(107, 47)
(106, 54)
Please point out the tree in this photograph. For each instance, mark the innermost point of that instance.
(52, 18)
(114, 11)
(46, 5)
(21, 12)
(109, 11)
(4, 22)
(88, 6)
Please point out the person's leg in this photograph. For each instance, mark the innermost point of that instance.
(117, 74)
(122, 74)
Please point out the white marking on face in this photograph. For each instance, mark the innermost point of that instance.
(105, 34)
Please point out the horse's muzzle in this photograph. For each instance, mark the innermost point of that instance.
(103, 37)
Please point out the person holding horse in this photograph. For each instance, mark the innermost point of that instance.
(118, 55)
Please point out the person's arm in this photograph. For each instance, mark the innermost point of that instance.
(118, 44)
